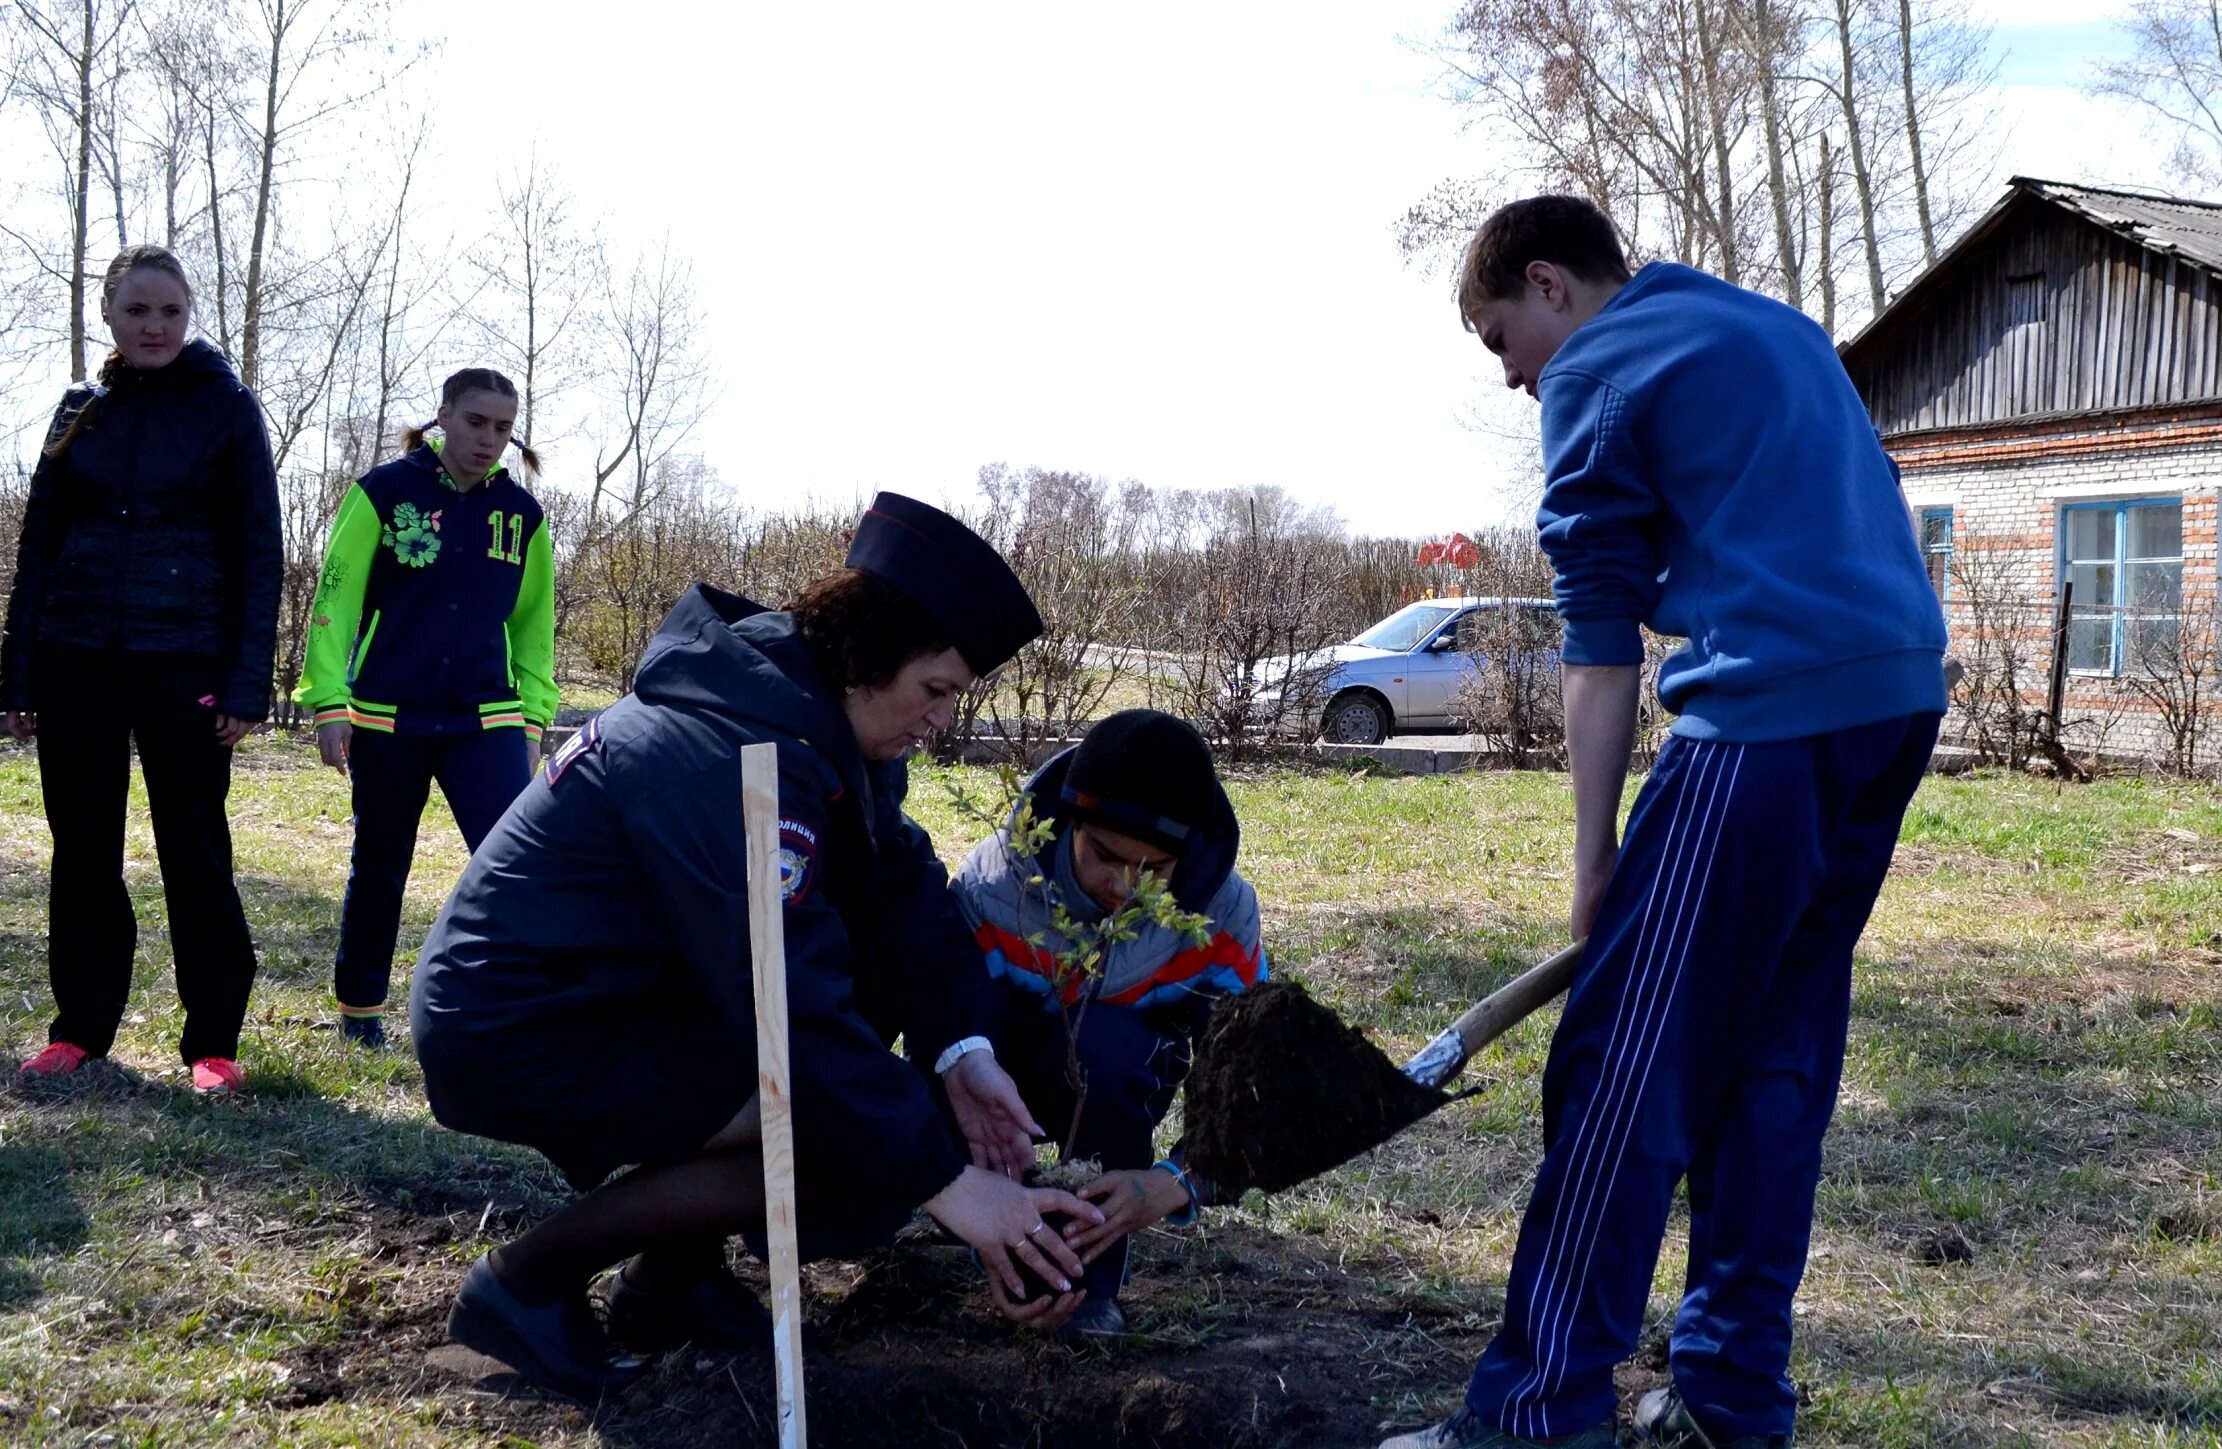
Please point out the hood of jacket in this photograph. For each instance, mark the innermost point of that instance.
(1202, 868)
(732, 658)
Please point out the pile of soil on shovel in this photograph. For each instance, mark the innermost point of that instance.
(1282, 1090)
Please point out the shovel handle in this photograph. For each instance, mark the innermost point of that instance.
(1512, 1002)
(1492, 1016)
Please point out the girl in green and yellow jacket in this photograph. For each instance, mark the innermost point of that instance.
(431, 656)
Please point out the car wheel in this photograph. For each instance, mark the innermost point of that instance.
(1355, 719)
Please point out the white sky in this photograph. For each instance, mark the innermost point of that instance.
(1150, 241)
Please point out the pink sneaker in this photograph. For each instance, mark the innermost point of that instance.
(217, 1076)
(58, 1060)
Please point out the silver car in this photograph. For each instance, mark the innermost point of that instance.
(1407, 672)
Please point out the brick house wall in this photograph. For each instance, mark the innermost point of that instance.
(2008, 487)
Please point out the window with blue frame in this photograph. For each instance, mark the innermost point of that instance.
(2125, 560)
(1936, 547)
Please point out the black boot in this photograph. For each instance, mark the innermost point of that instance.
(1663, 1419)
(710, 1310)
(558, 1346)
(1096, 1320)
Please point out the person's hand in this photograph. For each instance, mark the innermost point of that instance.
(1131, 1201)
(22, 723)
(1004, 1224)
(231, 729)
(1591, 876)
(990, 1114)
(333, 741)
(1045, 1314)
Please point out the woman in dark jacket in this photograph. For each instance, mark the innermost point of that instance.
(145, 610)
(586, 991)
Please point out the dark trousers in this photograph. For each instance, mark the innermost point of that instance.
(479, 771)
(1703, 1038)
(92, 709)
(1132, 1067)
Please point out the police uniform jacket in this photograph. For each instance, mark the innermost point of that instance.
(586, 990)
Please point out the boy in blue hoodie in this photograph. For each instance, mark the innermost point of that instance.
(1710, 473)
(1138, 796)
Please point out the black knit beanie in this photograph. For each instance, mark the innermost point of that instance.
(1143, 773)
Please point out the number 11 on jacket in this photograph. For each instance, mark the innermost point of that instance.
(767, 951)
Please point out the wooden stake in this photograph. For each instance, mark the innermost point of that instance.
(767, 954)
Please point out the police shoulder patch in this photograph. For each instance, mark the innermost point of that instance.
(585, 739)
(797, 859)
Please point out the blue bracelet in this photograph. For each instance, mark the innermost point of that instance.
(1186, 1218)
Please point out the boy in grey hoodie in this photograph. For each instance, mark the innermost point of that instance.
(1137, 796)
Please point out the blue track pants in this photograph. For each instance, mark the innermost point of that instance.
(1703, 1038)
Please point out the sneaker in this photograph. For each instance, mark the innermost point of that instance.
(558, 1346)
(1663, 1419)
(714, 1311)
(1466, 1430)
(59, 1059)
(217, 1077)
(367, 1032)
(1095, 1320)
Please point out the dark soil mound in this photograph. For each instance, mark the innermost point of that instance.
(1282, 1091)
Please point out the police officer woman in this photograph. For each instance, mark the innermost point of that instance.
(586, 990)
(145, 611)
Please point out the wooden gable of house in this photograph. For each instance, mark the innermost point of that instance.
(2061, 301)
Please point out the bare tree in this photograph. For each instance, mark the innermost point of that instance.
(1513, 693)
(1069, 542)
(1944, 71)
(1826, 177)
(309, 71)
(540, 268)
(203, 63)
(64, 49)
(2174, 669)
(1849, 85)
(655, 387)
(1693, 124)
(1911, 101)
(639, 565)
(2174, 76)
(1767, 35)
(1253, 607)
(2004, 642)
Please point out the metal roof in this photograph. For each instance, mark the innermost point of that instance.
(2167, 224)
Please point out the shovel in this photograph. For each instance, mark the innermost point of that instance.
(1283, 1090)
(1439, 1062)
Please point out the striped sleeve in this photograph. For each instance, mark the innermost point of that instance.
(348, 555)
(531, 628)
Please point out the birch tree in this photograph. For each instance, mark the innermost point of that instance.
(1713, 131)
(654, 389)
(539, 269)
(2173, 76)
(62, 55)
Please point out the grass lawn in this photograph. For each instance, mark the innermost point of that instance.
(2019, 1238)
